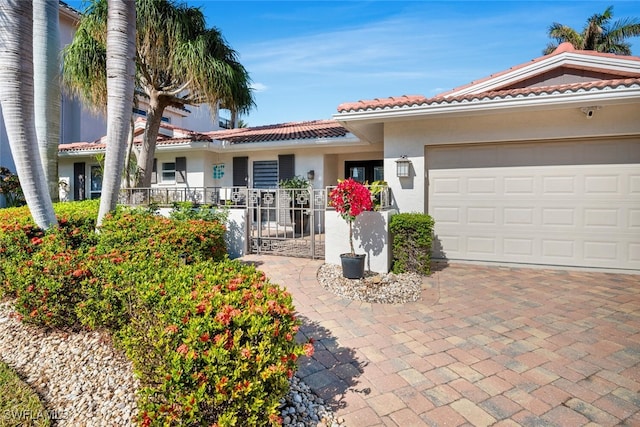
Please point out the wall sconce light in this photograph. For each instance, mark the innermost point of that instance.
(310, 175)
(403, 167)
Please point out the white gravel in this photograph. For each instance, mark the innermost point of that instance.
(386, 288)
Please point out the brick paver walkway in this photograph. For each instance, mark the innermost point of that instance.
(486, 346)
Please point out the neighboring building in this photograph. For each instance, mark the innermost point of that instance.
(80, 124)
(539, 164)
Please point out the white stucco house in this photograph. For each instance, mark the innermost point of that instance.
(537, 165)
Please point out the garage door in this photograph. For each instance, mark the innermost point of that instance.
(568, 204)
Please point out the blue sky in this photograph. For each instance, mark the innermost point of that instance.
(307, 57)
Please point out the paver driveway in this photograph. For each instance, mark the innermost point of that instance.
(485, 346)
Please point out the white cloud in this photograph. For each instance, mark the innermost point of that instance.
(259, 87)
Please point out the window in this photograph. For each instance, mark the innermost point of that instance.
(365, 170)
(265, 174)
(169, 173)
(144, 114)
(96, 181)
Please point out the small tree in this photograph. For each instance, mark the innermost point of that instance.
(350, 198)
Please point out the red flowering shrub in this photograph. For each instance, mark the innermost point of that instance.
(213, 343)
(212, 339)
(350, 198)
(174, 241)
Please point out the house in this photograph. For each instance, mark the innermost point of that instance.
(255, 157)
(536, 165)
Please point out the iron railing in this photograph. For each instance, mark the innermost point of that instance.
(223, 196)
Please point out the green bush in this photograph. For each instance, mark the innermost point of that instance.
(412, 236)
(145, 234)
(183, 211)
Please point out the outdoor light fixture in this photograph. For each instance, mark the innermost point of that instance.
(310, 175)
(403, 166)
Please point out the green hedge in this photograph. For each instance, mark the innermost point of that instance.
(211, 339)
(412, 237)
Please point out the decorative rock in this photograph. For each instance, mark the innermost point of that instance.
(387, 288)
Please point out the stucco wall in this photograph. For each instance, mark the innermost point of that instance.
(409, 137)
(370, 236)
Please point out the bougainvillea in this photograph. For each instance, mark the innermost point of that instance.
(350, 198)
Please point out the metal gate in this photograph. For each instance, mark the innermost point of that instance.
(286, 222)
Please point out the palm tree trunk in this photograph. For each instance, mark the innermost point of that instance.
(121, 52)
(46, 84)
(16, 98)
(148, 151)
(127, 159)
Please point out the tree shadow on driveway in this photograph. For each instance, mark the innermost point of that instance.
(333, 370)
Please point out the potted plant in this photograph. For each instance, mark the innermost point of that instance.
(349, 199)
(297, 212)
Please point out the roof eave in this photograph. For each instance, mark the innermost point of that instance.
(482, 106)
(347, 140)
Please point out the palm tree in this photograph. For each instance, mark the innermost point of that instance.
(179, 62)
(121, 71)
(46, 86)
(16, 98)
(599, 34)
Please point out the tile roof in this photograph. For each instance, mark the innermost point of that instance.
(420, 101)
(407, 101)
(565, 47)
(317, 129)
(281, 132)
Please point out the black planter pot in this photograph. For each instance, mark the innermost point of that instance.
(353, 265)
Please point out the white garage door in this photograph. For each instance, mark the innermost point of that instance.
(569, 204)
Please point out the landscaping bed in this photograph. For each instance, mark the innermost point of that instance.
(210, 340)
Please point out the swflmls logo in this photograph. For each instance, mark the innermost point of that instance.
(27, 415)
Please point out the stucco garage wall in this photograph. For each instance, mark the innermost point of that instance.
(584, 205)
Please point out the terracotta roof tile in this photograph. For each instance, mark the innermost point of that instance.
(565, 47)
(400, 102)
(281, 132)
(379, 104)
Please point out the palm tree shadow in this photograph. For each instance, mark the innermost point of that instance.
(333, 370)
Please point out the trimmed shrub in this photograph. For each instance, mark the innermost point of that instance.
(213, 343)
(145, 234)
(412, 237)
(43, 270)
